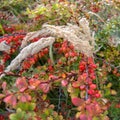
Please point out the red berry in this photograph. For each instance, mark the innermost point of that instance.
(92, 76)
(93, 86)
(64, 49)
(71, 47)
(97, 95)
(60, 62)
(91, 92)
(82, 66)
(50, 68)
(66, 55)
(45, 51)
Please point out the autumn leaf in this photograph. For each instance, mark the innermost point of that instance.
(1, 96)
(25, 98)
(44, 87)
(21, 84)
(77, 101)
(10, 99)
(64, 83)
(33, 83)
(93, 109)
(4, 84)
(76, 84)
(85, 117)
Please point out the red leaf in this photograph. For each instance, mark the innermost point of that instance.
(44, 87)
(4, 84)
(64, 83)
(11, 99)
(85, 117)
(21, 84)
(93, 109)
(77, 101)
(25, 98)
(2, 117)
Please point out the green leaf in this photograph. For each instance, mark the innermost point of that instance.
(19, 115)
(2, 30)
(26, 106)
(13, 117)
(31, 106)
(65, 92)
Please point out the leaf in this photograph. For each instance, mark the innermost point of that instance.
(85, 117)
(76, 84)
(1, 96)
(65, 92)
(44, 87)
(31, 106)
(109, 85)
(63, 75)
(33, 83)
(77, 101)
(13, 117)
(19, 115)
(64, 83)
(50, 118)
(21, 84)
(94, 109)
(4, 84)
(26, 106)
(25, 98)
(1, 29)
(10, 99)
(44, 96)
(113, 92)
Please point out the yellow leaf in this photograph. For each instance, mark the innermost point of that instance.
(109, 85)
(50, 118)
(77, 115)
(44, 96)
(113, 92)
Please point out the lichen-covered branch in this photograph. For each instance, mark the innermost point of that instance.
(78, 35)
(31, 49)
(4, 47)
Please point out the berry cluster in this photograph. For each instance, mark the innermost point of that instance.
(87, 75)
(14, 41)
(87, 102)
(28, 62)
(67, 49)
(7, 29)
